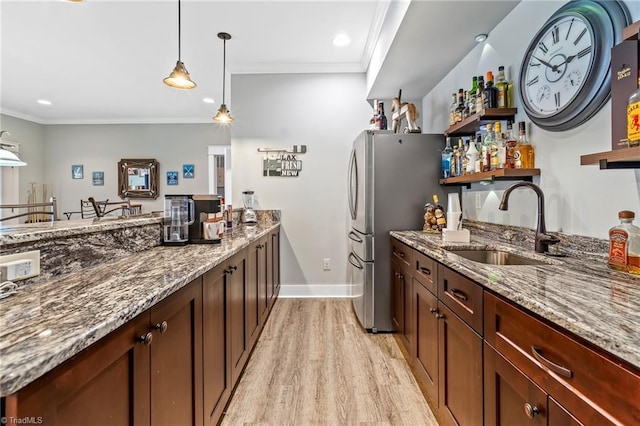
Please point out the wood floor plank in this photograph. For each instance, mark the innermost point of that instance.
(315, 365)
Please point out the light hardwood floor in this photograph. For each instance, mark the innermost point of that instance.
(315, 365)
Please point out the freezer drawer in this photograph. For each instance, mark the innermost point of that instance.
(361, 283)
(362, 245)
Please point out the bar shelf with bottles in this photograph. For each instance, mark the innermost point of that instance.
(497, 174)
(470, 125)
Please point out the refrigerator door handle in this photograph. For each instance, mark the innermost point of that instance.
(354, 237)
(353, 186)
(352, 257)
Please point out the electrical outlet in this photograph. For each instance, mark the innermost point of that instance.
(478, 200)
(20, 266)
(326, 264)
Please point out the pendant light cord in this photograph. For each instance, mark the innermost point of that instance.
(224, 66)
(179, 30)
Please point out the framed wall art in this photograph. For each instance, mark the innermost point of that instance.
(77, 171)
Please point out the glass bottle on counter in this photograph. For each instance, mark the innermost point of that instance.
(524, 155)
(446, 159)
(633, 116)
(624, 244)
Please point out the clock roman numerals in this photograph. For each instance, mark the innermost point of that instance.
(584, 52)
(543, 47)
(557, 98)
(577, 40)
(533, 81)
(569, 30)
(555, 34)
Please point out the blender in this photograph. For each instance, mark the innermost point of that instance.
(250, 204)
(178, 215)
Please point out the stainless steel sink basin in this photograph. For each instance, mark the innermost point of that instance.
(497, 257)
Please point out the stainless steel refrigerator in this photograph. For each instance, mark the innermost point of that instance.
(391, 177)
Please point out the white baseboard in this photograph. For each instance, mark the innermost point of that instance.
(315, 290)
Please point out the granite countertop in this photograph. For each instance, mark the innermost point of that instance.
(578, 293)
(45, 324)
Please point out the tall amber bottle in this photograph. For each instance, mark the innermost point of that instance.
(524, 155)
(624, 244)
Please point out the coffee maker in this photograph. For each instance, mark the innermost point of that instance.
(185, 217)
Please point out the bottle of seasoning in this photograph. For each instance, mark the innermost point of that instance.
(624, 244)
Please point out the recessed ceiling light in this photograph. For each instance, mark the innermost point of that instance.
(209, 101)
(341, 40)
(481, 37)
(44, 102)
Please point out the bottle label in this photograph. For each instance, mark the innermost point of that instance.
(633, 123)
(618, 248)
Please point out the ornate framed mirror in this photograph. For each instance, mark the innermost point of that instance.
(138, 178)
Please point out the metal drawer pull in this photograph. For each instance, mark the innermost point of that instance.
(563, 371)
(433, 310)
(531, 410)
(146, 339)
(400, 254)
(459, 294)
(400, 276)
(438, 316)
(162, 326)
(424, 270)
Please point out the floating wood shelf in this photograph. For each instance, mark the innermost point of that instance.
(469, 125)
(498, 174)
(624, 158)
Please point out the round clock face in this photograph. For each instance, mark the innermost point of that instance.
(564, 75)
(557, 67)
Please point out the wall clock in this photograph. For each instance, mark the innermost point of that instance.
(565, 73)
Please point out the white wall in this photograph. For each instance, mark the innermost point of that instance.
(581, 200)
(326, 113)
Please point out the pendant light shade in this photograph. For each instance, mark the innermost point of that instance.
(223, 115)
(179, 77)
(8, 158)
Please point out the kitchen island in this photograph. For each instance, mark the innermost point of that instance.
(547, 337)
(56, 322)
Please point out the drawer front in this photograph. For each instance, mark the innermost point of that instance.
(401, 253)
(462, 296)
(425, 271)
(589, 384)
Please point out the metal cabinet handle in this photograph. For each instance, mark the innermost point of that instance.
(459, 294)
(400, 254)
(433, 310)
(556, 368)
(438, 316)
(146, 339)
(162, 326)
(425, 271)
(531, 410)
(401, 277)
(234, 267)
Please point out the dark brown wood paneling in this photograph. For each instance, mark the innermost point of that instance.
(426, 343)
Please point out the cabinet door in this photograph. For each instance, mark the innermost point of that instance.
(176, 358)
(558, 416)
(238, 342)
(510, 397)
(397, 314)
(252, 313)
(216, 365)
(269, 272)
(275, 250)
(460, 375)
(263, 285)
(426, 342)
(107, 383)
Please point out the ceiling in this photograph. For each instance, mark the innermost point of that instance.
(103, 61)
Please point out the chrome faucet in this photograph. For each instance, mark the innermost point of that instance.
(543, 240)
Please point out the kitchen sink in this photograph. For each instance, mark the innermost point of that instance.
(497, 257)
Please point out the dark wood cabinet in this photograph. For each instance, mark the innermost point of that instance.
(425, 364)
(148, 371)
(402, 301)
(176, 358)
(255, 292)
(217, 383)
(275, 260)
(235, 273)
(460, 370)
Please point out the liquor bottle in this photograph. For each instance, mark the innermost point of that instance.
(466, 112)
(490, 93)
(624, 244)
(460, 106)
(501, 147)
(381, 116)
(633, 116)
(478, 165)
(472, 95)
(489, 142)
(511, 143)
(459, 158)
(452, 109)
(480, 94)
(524, 155)
(373, 123)
(446, 159)
(471, 156)
(502, 87)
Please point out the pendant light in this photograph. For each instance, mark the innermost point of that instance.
(223, 115)
(8, 158)
(179, 77)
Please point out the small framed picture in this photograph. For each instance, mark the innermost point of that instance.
(187, 171)
(77, 171)
(97, 178)
(172, 178)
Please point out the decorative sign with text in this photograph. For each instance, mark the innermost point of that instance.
(286, 164)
